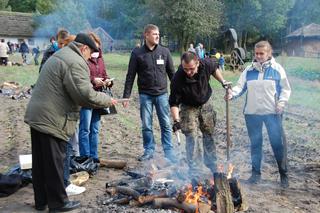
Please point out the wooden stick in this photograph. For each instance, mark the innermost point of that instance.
(123, 190)
(119, 201)
(150, 198)
(116, 164)
(168, 203)
(128, 191)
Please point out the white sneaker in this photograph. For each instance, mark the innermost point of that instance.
(74, 190)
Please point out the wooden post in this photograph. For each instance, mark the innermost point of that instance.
(223, 194)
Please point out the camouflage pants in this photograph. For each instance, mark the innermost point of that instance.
(203, 117)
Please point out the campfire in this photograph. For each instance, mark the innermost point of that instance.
(221, 193)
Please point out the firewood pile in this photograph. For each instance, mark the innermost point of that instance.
(163, 189)
(15, 91)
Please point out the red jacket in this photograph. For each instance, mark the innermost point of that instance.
(97, 69)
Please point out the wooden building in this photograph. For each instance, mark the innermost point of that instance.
(15, 27)
(304, 42)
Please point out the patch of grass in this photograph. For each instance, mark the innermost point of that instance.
(24, 75)
(305, 93)
(303, 68)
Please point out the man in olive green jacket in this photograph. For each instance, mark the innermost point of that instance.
(52, 113)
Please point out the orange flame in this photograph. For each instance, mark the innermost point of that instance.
(194, 197)
(220, 169)
(230, 170)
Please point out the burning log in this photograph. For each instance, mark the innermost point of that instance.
(204, 207)
(123, 190)
(168, 203)
(116, 164)
(223, 194)
(150, 198)
(181, 196)
(239, 201)
(119, 201)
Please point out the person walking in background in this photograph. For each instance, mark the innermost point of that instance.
(10, 45)
(36, 54)
(52, 113)
(54, 46)
(152, 63)
(200, 51)
(267, 92)
(190, 92)
(191, 48)
(4, 50)
(90, 118)
(24, 50)
(221, 62)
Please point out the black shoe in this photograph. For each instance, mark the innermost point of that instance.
(284, 181)
(69, 206)
(254, 179)
(145, 156)
(40, 208)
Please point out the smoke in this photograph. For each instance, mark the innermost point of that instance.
(115, 17)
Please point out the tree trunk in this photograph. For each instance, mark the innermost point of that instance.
(223, 194)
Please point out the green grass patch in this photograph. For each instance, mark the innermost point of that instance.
(303, 68)
(24, 75)
(304, 92)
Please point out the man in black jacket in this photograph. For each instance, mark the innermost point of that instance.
(55, 46)
(152, 63)
(191, 91)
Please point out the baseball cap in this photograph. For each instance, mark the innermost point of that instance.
(85, 39)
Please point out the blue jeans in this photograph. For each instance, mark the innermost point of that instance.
(273, 125)
(89, 132)
(161, 103)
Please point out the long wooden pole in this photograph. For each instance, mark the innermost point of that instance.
(228, 126)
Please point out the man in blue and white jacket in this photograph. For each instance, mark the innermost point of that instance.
(267, 92)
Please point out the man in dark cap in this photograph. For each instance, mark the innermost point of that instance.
(52, 113)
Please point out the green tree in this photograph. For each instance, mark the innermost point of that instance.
(303, 13)
(186, 20)
(46, 6)
(26, 6)
(257, 18)
(4, 5)
(125, 19)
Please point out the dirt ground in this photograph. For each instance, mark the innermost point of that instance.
(121, 139)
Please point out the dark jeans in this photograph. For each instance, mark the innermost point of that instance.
(273, 124)
(66, 165)
(36, 57)
(48, 153)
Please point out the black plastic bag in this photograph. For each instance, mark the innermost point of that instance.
(107, 110)
(14, 179)
(9, 184)
(82, 163)
(26, 174)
